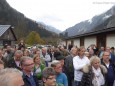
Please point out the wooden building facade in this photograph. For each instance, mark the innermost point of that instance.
(104, 37)
(7, 35)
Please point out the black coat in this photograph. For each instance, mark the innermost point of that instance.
(11, 64)
(88, 75)
(27, 83)
(69, 69)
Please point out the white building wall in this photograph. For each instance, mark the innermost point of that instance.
(89, 40)
(63, 43)
(77, 42)
(110, 41)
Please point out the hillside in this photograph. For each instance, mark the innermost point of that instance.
(50, 28)
(22, 25)
(98, 22)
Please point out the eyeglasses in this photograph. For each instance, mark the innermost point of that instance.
(28, 64)
(58, 67)
(51, 78)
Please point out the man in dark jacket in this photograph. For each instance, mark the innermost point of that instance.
(68, 66)
(112, 56)
(9, 52)
(15, 61)
(27, 65)
(110, 66)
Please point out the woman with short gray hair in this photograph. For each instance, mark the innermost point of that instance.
(49, 77)
(60, 77)
(94, 74)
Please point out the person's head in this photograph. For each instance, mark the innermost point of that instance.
(102, 48)
(11, 77)
(112, 49)
(56, 49)
(49, 76)
(34, 49)
(95, 62)
(36, 59)
(38, 51)
(87, 54)
(108, 49)
(44, 50)
(82, 51)
(49, 49)
(74, 51)
(106, 56)
(26, 53)
(57, 66)
(21, 41)
(61, 59)
(18, 54)
(62, 48)
(1, 64)
(22, 49)
(8, 48)
(27, 64)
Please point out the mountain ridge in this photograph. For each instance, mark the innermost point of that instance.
(102, 21)
(21, 24)
(50, 28)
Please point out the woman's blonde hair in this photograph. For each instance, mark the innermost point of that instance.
(35, 56)
(94, 58)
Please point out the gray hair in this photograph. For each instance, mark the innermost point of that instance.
(18, 52)
(48, 71)
(73, 48)
(24, 59)
(104, 53)
(54, 63)
(94, 58)
(7, 75)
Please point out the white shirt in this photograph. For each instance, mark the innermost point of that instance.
(78, 64)
(107, 65)
(46, 58)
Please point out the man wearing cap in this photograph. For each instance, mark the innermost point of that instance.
(61, 58)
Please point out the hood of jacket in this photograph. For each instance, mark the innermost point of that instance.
(88, 68)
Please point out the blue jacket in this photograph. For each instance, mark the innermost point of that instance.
(62, 79)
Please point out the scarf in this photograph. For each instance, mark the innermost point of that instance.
(98, 77)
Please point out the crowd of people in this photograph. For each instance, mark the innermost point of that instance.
(57, 66)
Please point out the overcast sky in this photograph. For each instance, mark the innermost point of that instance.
(61, 14)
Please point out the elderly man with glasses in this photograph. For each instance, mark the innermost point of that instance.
(27, 65)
